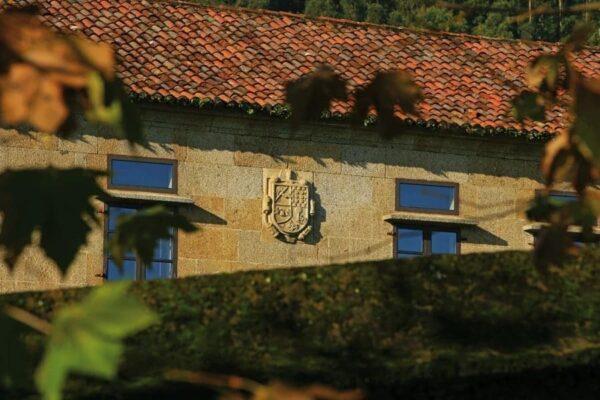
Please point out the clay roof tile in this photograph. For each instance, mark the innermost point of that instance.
(228, 54)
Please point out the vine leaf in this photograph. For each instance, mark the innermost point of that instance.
(587, 118)
(27, 96)
(552, 246)
(45, 69)
(544, 72)
(311, 94)
(139, 232)
(86, 337)
(109, 104)
(580, 35)
(387, 90)
(564, 161)
(54, 202)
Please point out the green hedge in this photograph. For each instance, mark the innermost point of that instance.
(474, 326)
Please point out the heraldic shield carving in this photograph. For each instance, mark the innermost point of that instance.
(287, 207)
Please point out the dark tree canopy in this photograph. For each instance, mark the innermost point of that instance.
(427, 14)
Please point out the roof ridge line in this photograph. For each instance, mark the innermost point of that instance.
(342, 21)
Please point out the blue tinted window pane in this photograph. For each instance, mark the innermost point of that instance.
(114, 213)
(128, 255)
(159, 270)
(433, 197)
(163, 249)
(410, 240)
(563, 198)
(143, 174)
(115, 274)
(443, 242)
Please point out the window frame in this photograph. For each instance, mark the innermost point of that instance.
(174, 163)
(570, 193)
(139, 268)
(454, 185)
(427, 230)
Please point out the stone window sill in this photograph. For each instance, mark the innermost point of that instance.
(150, 197)
(433, 219)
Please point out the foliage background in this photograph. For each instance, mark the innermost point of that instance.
(429, 15)
(462, 327)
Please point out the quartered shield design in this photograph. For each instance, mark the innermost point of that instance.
(290, 206)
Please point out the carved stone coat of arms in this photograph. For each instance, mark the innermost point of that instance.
(287, 207)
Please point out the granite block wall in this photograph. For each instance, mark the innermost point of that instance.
(224, 157)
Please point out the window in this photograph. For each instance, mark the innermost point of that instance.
(412, 241)
(162, 266)
(427, 197)
(148, 174)
(142, 174)
(562, 197)
(427, 237)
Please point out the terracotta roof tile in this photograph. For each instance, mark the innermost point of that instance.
(190, 52)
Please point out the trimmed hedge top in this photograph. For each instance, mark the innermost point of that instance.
(373, 325)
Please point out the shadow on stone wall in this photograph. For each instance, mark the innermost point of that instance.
(478, 235)
(199, 215)
(324, 145)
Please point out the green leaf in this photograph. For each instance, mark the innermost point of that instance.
(140, 231)
(580, 35)
(552, 246)
(541, 208)
(529, 105)
(587, 118)
(543, 73)
(14, 358)
(109, 104)
(86, 337)
(55, 202)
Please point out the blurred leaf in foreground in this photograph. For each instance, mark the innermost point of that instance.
(140, 231)
(26, 96)
(43, 69)
(236, 387)
(109, 104)
(586, 126)
(54, 202)
(86, 337)
(552, 246)
(311, 94)
(580, 35)
(544, 72)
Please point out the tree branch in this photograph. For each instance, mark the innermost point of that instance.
(28, 319)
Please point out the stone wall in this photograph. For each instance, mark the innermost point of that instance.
(224, 157)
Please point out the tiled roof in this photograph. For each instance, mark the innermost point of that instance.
(186, 52)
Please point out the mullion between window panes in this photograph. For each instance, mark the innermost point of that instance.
(140, 270)
(426, 242)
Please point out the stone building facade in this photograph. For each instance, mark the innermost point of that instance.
(222, 160)
(346, 179)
